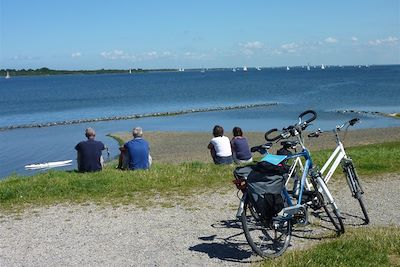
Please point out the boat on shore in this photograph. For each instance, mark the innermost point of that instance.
(49, 165)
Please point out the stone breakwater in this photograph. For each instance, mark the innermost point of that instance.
(377, 113)
(135, 116)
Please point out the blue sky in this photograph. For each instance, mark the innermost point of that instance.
(89, 34)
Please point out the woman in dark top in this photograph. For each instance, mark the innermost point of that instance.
(240, 147)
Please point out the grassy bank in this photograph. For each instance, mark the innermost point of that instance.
(114, 186)
(358, 247)
(163, 181)
(369, 160)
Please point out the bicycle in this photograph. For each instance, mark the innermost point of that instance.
(271, 238)
(339, 156)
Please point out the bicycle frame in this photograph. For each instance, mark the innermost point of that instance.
(299, 163)
(307, 166)
(337, 156)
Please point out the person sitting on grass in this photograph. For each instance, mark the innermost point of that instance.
(240, 147)
(89, 157)
(220, 147)
(135, 154)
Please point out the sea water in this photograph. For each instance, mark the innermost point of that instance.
(45, 99)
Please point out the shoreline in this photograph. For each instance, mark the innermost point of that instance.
(178, 147)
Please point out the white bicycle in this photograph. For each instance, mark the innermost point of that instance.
(338, 157)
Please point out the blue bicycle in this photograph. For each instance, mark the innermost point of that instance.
(270, 238)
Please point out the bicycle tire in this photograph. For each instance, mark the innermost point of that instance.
(266, 241)
(355, 187)
(326, 201)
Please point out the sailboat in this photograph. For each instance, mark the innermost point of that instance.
(234, 69)
(8, 75)
(130, 71)
(258, 68)
(322, 67)
(287, 68)
(308, 67)
(244, 68)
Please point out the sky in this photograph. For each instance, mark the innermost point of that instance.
(123, 34)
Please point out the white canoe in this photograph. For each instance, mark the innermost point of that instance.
(49, 165)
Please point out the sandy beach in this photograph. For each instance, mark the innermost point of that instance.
(177, 147)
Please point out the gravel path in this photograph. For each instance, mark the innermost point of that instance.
(203, 233)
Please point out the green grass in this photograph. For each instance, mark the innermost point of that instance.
(357, 247)
(165, 182)
(114, 186)
(369, 160)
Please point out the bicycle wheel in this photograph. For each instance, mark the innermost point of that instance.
(266, 240)
(325, 199)
(355, 187)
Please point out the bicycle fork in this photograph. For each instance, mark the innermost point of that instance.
(352, 177)
(241, 205)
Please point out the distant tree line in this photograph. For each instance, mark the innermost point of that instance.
(47, 71)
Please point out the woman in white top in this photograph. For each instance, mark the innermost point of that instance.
(220, 147)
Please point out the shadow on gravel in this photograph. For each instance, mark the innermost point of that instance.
(351, 219)
(225, 248)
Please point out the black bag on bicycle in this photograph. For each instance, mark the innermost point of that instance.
(265, 193)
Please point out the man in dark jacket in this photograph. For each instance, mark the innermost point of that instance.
(89, 153)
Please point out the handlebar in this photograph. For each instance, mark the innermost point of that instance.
(314, 116)
(261, 148)
(351, 122)
(292, 130)
(273, 138)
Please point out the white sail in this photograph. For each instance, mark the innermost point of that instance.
(322, 67)
(244, 68)
(8, 75)
(287, 68)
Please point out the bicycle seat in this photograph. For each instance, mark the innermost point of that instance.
(289, 144)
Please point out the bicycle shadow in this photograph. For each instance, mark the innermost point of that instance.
(231, 248)
(234, 248)
(350, 220)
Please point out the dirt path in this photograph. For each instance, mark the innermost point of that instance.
(204, 233)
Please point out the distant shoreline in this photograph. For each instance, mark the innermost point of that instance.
(47, 71)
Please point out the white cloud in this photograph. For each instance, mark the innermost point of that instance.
(331, 40)
(290, 47)
(116, 54)
(23, 57)
(253, 45)
(354, 39)
(152, 54)
(386, 41)
(76, 54)
(250, 48)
